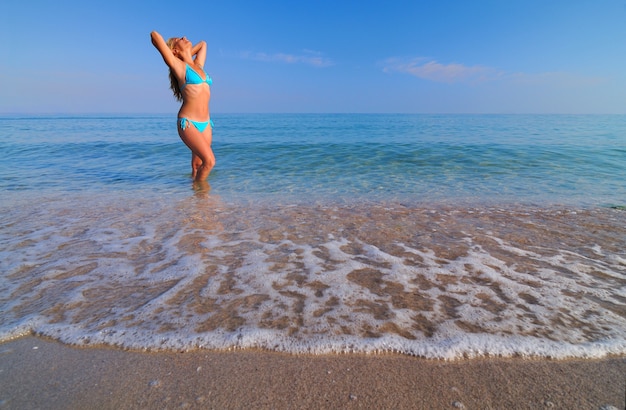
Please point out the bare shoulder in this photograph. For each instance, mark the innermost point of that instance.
(169, 58)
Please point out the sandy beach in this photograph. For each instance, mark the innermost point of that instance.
(38, 373)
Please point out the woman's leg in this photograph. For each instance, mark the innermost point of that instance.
(200, 145)
(196, 162)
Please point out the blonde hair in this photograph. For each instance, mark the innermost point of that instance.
(173, 80)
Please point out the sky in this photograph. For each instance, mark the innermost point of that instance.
(339, 56)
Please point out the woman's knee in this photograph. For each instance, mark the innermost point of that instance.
(208, 159)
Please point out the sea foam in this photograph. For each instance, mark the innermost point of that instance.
(436, 282)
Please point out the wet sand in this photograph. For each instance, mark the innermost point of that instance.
(39, 373)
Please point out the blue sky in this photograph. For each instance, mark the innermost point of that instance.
(508, 56)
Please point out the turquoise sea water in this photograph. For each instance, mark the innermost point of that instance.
(547, 159)
(442, 236)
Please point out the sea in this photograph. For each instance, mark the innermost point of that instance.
(439, 236)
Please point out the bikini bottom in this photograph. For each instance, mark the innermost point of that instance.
(200, 125)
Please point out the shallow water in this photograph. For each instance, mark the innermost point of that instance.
(532, 159)
(303, 254)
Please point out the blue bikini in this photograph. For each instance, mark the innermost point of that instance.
(200, 125)
(191, 77)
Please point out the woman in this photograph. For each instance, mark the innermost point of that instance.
(191, 85)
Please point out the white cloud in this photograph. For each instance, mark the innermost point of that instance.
(308, 57)
(459, 73)
(445, 73)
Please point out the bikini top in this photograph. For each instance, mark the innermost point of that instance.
(191, 77)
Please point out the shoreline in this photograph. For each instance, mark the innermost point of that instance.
(42, 373)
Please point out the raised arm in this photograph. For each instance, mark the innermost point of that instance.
(199, 50)
(170, 59)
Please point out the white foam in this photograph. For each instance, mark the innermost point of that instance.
(155, 284)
